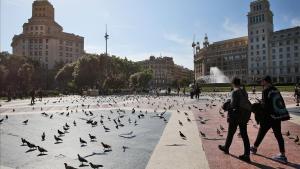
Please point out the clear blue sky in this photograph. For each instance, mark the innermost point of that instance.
(139, 28)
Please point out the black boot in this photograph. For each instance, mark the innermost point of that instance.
(222, 148)
(245, 158)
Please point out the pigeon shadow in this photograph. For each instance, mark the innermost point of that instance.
(290, 164)
(93, 154)
(93, 140)
(83, 145)
(105, 151)
(42, 154)
(129, 137)
(83, 165)
(175, 145)
(30, 150)
(57, 142)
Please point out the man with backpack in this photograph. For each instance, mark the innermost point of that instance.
(239, 112)
(274, 112)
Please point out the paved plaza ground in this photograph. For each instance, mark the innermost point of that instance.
(145, 133)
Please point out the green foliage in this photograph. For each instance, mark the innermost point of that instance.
(140, 80)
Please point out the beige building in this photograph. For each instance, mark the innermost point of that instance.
(263, 52)
(43, 39)
(230, 56)
(165, 72)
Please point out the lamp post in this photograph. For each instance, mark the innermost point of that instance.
(106, 36)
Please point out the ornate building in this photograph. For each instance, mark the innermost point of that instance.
(43, 39)
(165, 72)
(262, 52)
(230, 56)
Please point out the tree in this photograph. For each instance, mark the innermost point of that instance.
(86, 72)
(141, 80)
(3, 75)
(25, 74)
(65, 75)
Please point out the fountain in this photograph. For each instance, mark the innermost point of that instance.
(215, 76)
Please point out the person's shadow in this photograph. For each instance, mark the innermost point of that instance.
(262, 166)
(290, 164)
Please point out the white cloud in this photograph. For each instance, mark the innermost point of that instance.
(177, 39)
(295, 22)
(233, 30)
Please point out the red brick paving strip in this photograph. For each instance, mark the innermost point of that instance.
(268, 148)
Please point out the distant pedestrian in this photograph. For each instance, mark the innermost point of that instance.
(169, 90)
(183, 91)
(239, 112)
(273, 112)
(253, 89)
(32, 94)
(178, 91)
(197, 92)
(40, 93)
(297, 95)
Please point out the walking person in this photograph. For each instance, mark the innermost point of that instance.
(297, 94)
(239, 112)
(32, 94)
(270, 118)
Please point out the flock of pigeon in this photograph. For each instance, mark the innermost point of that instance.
(125, 111)
(114, 120)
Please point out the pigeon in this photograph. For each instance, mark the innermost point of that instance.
(106, 129)
(25, 122)
(60, 132)
(92, 137)
(81, 159)
(296, 139)
(1, 120)
(57, 139)
(202, 134)
(182, 135)
(31, 146)
(41, 150)
(82, 141)
(95, 166)
(74, 123)
(106, 146)
(288, 133)
(43, 136)
(24, 141)
(51, 116)
(124, 148)
(219, 132)
(188, 119)
(180, 123)
(6, 117)
(69, 167)
(221, 127)
(67, 125)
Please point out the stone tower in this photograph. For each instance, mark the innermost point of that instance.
(260, 29)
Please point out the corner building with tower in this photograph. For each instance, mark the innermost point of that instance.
(263, 52)
(43, 39)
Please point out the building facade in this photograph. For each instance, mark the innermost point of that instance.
(230, 56)
(165, 72)
(266, 52)
(43, 39)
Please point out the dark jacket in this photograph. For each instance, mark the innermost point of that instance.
(235, 112)
(266, 102)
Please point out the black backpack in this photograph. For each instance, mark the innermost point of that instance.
(279, 111)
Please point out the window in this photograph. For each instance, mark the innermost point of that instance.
(257, 39)
(263, 45)
(295, 47)
(280, 49)
(295, 41)
(46, 53)
(46, 40)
